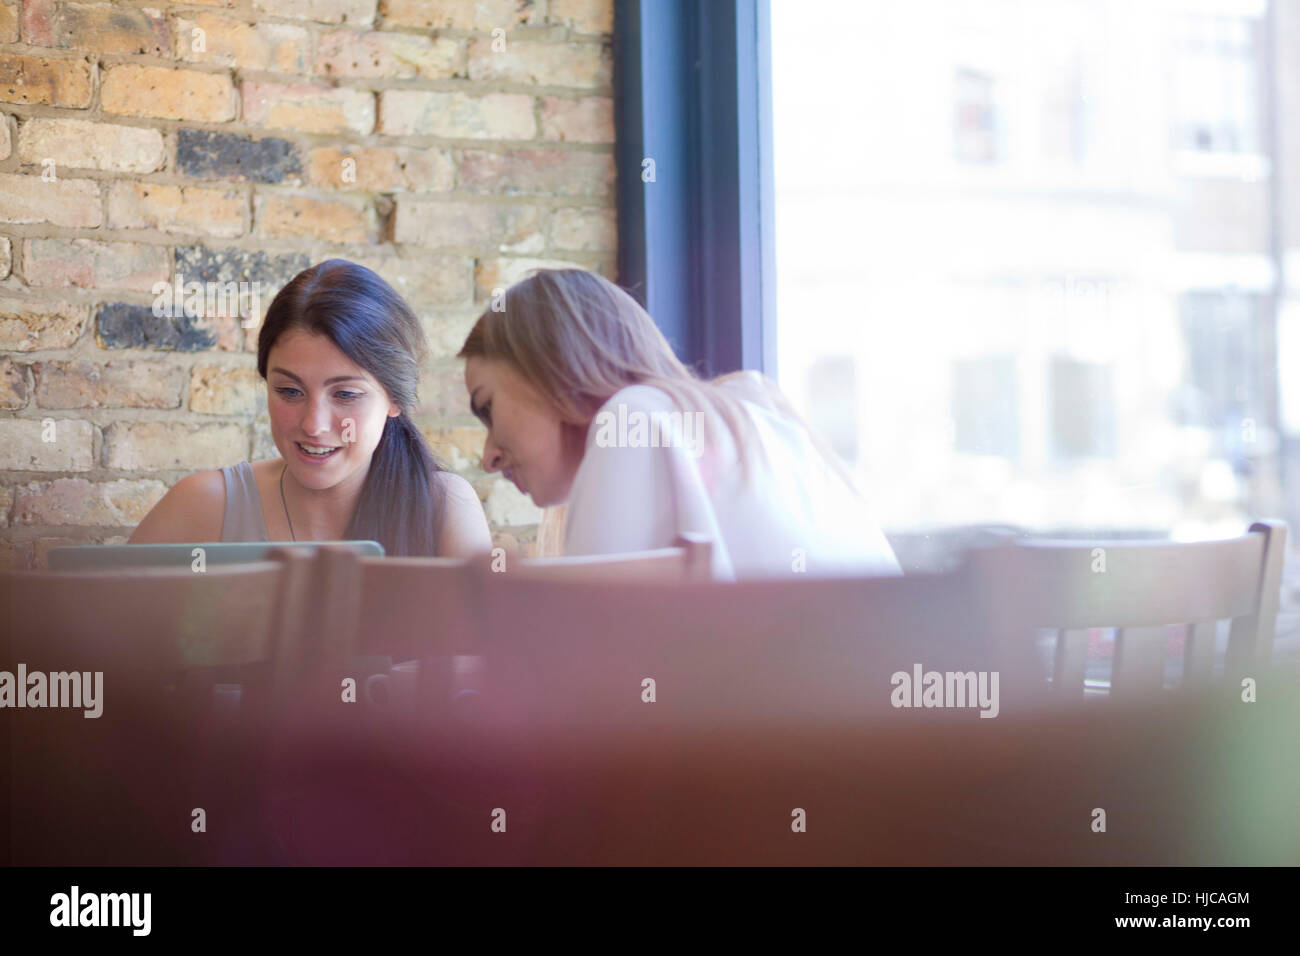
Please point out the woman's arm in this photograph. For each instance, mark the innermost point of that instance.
(192, 510)
(632, 496)
(621, 501)
(464, 526)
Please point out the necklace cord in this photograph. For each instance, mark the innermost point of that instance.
(284, 503)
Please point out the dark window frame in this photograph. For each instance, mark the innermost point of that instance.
(693, 94)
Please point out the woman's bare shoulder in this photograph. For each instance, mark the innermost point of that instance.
(193, 509)
(464, 525)
(267, 466)
(455, 486)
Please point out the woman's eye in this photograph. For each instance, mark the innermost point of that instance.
(486, 413)
(288, 392)
(347, 396)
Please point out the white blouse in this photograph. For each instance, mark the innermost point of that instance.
(647, 476)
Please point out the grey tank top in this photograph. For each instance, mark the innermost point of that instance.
(243, 519)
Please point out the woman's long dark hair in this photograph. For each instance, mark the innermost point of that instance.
(401, 505)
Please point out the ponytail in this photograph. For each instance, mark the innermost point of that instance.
(401, 503)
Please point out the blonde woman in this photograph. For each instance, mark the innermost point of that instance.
(586, 405)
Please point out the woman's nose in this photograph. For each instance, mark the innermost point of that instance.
(318, 419)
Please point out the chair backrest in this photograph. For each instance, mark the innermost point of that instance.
(165, 742)
(400, 607)
(564, 687)
(150, 622)
(767, 697)
(753, 652)
(1142, 589)
(688, 560)
(421, 607)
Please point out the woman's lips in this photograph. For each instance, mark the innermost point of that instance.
(310, 459)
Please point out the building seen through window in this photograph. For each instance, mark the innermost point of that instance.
(1045, 242)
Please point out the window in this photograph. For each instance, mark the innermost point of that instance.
(1083, 409)
(833, 387)
(1053, 319)
(1223, 396)
(984, 407)
(1216, 85)
(975, 119)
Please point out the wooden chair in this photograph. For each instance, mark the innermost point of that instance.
(561, 697)
(417, 607)
(1142, 588)
(769, 698)
(120, 788)
(405, 607)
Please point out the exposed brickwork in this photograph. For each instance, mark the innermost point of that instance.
(304, 217)
(472, 226)
(584, 230)
(355, 12)
(217, 390)
(13, 384)
(461, 14)
(52, 444)
(82, 144)
(204, 154)
(543, 64)
(94, 27)
(9, 21)
(191, 209)
(536, 172)
(149, 153)
(91, 264)
(382, 170)
(121, 325)
(145, 384)
(398, 55)
(589, 119)
(45, 81)
(66, 202)
(457, 115)
(75, 501)
(134, 90)
(234, 41)
(29, 326)
(166, 446)
(312, 109)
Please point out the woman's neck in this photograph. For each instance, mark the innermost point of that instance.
(323, 514)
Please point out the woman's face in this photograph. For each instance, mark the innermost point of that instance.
(527, 439)
(320, 400)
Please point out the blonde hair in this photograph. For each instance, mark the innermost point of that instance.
(550, 531)
(579, 339)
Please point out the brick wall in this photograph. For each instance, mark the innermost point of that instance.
(450, 145)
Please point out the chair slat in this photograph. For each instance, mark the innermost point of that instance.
(1139, 660)
(1250, 641)
(1142, 588)
(1198, 655)
(1071, 663)
(413, 607)
(1127, 584)
(148, 620)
